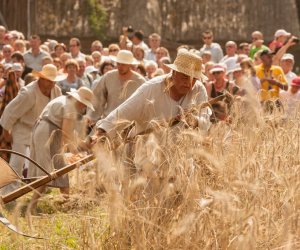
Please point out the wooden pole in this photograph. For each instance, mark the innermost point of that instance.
(44, 180)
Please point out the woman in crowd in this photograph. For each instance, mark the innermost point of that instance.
(72, 82)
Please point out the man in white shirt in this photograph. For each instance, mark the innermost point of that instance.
(162, 99)
(74, 46)
(287, 64)
(22, 112)
(214, 48)
(138, 40)
(230, 59)
(291, 97)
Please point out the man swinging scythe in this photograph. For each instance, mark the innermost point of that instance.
(161, 99)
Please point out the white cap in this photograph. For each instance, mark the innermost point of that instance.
(281, 32)
(288, 56)
(7, 66)
(91, 69)
(236, 67)
(17, 67)
(181, 50)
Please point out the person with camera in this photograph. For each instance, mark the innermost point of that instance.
(280, 38)
(138, 40)
(124, 40)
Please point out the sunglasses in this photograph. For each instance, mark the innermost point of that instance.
(255, 38)
(217, 72)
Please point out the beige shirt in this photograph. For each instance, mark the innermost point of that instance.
(22, 112)
(152, 104)
(110, 92)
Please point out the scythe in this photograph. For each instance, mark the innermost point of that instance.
(8, 175)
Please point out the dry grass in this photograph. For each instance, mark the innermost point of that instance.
(239, 188)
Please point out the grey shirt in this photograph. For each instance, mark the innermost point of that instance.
(67, 86)
(34, 62)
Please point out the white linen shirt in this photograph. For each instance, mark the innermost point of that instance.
(152, 102)
(21, 113)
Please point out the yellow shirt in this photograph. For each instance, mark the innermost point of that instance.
(269, 91)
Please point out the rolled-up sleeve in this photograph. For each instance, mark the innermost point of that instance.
(204, 113)
(121, 117)
(204, 119)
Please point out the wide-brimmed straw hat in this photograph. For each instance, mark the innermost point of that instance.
(49, 72)
(83, 95)
(125, 57)
(189, 64)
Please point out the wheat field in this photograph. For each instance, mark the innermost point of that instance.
(237, 187)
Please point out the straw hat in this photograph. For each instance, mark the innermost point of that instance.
(189, 64)
(83, 95)
(125, 57)
(49, 72)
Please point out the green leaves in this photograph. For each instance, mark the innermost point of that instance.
(97, 17)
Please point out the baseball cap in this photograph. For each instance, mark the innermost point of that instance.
(281, 32)
(17, 67)
(267, 52)
(296, 81)
(288, 56)
(91, 69)
(217, 68)
(7, 66)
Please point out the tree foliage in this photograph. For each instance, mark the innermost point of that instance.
(97, 17)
